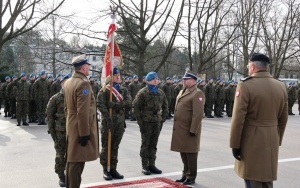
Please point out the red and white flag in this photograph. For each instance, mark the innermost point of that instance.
(116, 60)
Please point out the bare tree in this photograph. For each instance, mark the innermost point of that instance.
(147, 17)
(22, 16)
(280, 32)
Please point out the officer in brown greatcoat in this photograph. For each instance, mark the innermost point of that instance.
(81, 126)
(258, 122)
(188, 115)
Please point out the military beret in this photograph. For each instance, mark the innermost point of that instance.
(7, 77)
(259, 57)
(189, 75)
(116, 70)
(129, 77)
(50, 77)
(43, 72)
(80, 60)
(65, 78)
(168, 78)
(199, 81)
(151, 76)
(31, 75)
(135, 76)
(13, 76)
(58, 75)
(22, 74)
(211, 78)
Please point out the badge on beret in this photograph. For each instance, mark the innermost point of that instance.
(85, 91)
(237, 93)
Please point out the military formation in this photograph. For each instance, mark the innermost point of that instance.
(41, 99)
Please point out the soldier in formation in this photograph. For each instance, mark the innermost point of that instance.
(11, 97)
(55, 86)
(291, 97)
(133, 89)
(210, 98)
(22, 96)
(219, 99)
(169, 92)
(229, 97)
(150, 107)
(32, 110)
(56, 121)
(41, 95)
(6, 97)
(115, 123)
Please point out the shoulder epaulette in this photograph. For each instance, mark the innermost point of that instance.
(245, 79)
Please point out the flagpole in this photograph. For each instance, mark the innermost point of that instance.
(113, 17)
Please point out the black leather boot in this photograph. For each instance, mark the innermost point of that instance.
(154, 170)
(25, 123)
(62, 180)
(115, 174)
(106, 175)
(146, 170)
(182, 179)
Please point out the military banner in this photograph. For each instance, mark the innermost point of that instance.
(116, 60)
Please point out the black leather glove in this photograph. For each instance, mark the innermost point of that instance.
(192, 134)
(83, 140)
(236, 153)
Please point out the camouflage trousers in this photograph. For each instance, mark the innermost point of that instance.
(229, 107)
(290, 105)
(117, 132)
(32, 110)
(218, 109)
(22, 110)
(60, 148)
(12, 106)
(208, 107)
(41, 108)
(6, 106)
(150, 132)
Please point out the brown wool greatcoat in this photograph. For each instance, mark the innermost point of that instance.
(259, 118)
(187, 118)
(80, 110)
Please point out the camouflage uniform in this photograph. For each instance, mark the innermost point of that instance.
(229, 98)
(5, 98)
(219, 100)
(150, 110)
(177, 89)
(12, 100)
(291, 98)
(55, 87)
(127, 109)
(210, 98)
(41, 94)
(118, 123)
(22, 97)
(133, 89)
(56, 121)
(169, 92)
(32, 110)
(95, 88)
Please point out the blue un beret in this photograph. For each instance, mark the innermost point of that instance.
(7, 77)
(151, 75)
(116, 71)
(22, 74)
(65, 78)
(31, 75)
(43, 72)
(135, 76)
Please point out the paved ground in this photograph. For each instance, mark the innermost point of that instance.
(27, 156)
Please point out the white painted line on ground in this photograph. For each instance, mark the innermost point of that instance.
(175, 173)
